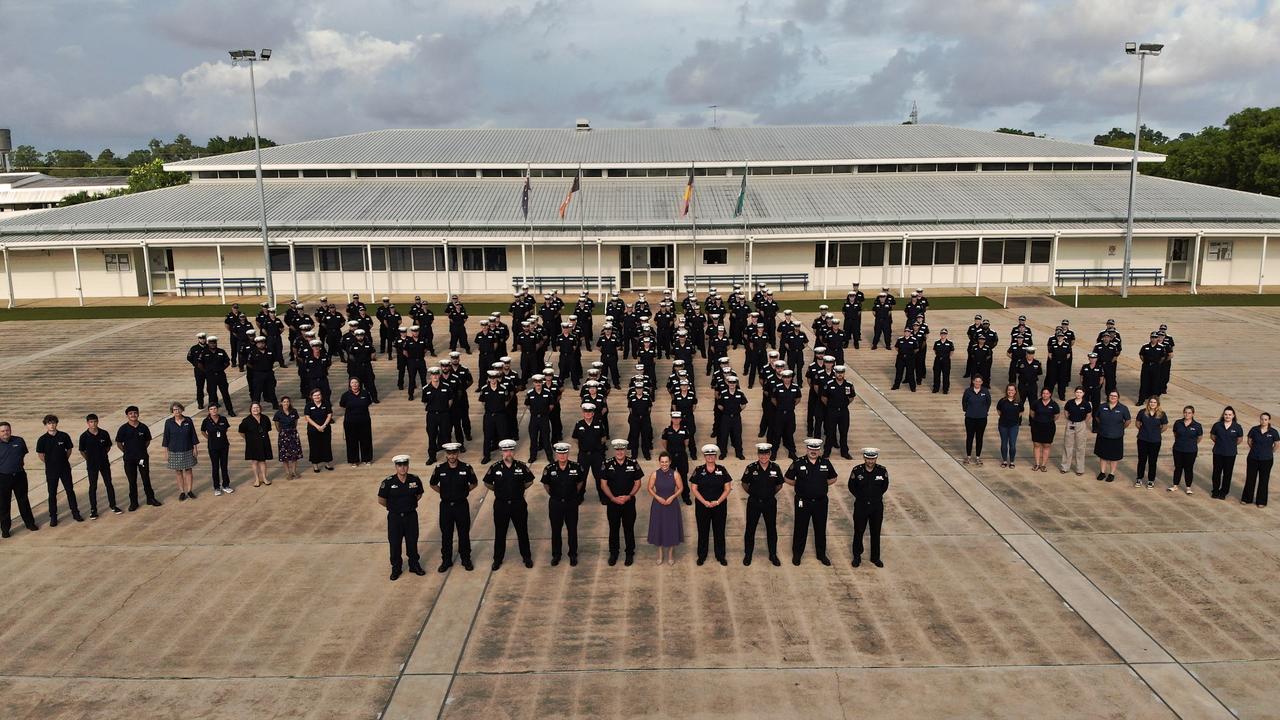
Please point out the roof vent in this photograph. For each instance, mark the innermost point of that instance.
(582, 125)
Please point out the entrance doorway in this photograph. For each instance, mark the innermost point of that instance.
(162, 275)
(647, 266)
(1177, 267)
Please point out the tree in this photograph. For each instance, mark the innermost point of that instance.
(1015, 131)
(84, 196)
(26, 156)
(1152, 140)
(152, 176)
(136, 158)
(218, 145)
(68, 159)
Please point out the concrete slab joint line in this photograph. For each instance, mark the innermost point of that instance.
(83, 340)
(1173, 683)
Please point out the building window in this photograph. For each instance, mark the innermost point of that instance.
(473, 259)
(279, 260)
(426, 259)
(715, 256)
(1015, 252)
(1040, 250)
(872, 254)
(353, 258)
(944, 252)
(992, 252)
(968, 252)
(117, 262)
(1220, 249)
(329, 259)
(848, 254)
(921, 252)
(495, 259)
(400, 259)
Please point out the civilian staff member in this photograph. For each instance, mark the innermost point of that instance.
(13, 480)
(1112, 419)
(1151, 421)
(1009, 412)
(1186, 442)
(1077, 409)
(132, 438)
(54, 448)
(288, 444)
(976, 403)
(357, 426)
(256, 429)
(1044, 425)
(216, 429)
(179, 442)
(1262, 448)
(666, 526)
(1226, 435)
(95, 446)
(319, 432)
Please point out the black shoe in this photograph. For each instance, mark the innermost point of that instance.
(1101, 477)
(845, 454)
(395, 575)
(857, 560)
(133, 506)
(935, 391)
(53, 522)
(417, 570)
(824, 560)
(444, 566)
(573, 561)
(774, 559)
(555, 560)
(182, 497)
(93, 514)
(431, 460)
(631, 559)
(154, 502)
(795, 560)
(877, 563)
(484, 460)
(200, 405)
(895, 387)
(496, 564)
(528, 562)
(613, 559)
(1111, 478)
(746, 559)
(191, 495)
(740, 456)
(466, 565)
(77, 517)
(116, 510)
(722, 561)
(702, 560)
(4, 533)
(533, 459)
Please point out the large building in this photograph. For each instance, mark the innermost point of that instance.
(22, 192)
(433, 211)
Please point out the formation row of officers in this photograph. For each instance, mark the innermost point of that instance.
(618, 488)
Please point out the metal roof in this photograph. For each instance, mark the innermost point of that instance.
(630, 147)
(494, 204)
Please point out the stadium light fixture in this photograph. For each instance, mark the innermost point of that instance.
(1142, 51)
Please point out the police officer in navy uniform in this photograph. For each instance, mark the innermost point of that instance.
(399, 494)
(507, 479)
(590, 434)
(436, 400)
(215, 362)
(905, 364)
(453, 480)
(762, 480)
(785, 396)
(942, 349)
(1154, 355)
(853, 315)
(868, 483)
(1091, 378)
(620, 483)
(882, 327)
(195, 356)
(711, 487)
(493, 398)
(811, 476)
(564, 481)
(540, 400)
(729, 404)
(836, 396)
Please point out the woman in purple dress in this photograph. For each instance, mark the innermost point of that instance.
(666, 529)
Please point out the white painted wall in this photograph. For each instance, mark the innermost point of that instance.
(51, 273)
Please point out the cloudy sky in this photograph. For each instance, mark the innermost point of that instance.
(113, 73)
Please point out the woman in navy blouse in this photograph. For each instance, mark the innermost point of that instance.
(1044, 426)
(357, 426)
(1010, 411)
(1151, 421)
(180, 443)
(1186, 442)
(1257, 467)
(1226, 435)
(976, 403)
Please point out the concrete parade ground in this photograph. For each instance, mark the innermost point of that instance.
(1006, 593)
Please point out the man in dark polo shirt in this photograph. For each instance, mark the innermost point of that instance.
(54, 448)
(13, 480)
(132, 438)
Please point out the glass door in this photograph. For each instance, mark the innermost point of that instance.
(162, 276)
(1178, 265)
(648, 267)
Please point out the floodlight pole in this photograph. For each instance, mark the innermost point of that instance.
(249, 58)
(1141, 52)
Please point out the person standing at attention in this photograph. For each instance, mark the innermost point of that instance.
(1009, 410)
(1151, 421)
(1186, 442)
(1112, 418)
(666, 525)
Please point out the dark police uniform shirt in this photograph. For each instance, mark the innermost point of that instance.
(678, 442)
(839, 394)
(540, 402)
(96, 447)
(436, 398)
(622, 476)
(134, 440)
(942, 350)
(868, 486)
(906, 347)
(811, 476)
(401, 496)
(1091, 376)
(1149, 426)
(454, 482)
(730, 404)
(11, 454)
(762, 483)
(590, 436)
(710, 484)
(785, 397)
(508, 481)
(55, 448)
(563, 483)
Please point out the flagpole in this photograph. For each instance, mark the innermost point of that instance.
(533, 253)
(582, 241)
(746, 252)
(693, 223)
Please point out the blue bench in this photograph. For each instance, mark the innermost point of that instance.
(564, 282)
(773, 280)
(240, 284)
(1108, 275)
